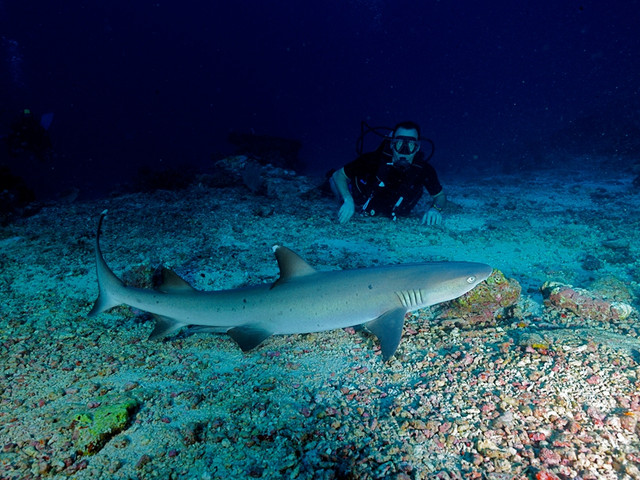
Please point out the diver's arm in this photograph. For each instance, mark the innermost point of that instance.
(348, 208)
(439, 201)
(434, 214)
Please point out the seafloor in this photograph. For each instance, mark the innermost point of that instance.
(92, 398)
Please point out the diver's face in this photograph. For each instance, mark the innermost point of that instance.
(404, 145)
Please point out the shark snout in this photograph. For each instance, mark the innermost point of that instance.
(465, 276)
(484, 272)
(476, 273)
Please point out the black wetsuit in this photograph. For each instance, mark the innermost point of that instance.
(27, 136)
(380, 188)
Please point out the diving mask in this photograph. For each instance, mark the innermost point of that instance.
(405, 145)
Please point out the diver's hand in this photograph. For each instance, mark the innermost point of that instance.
(346, 211)
(432, 217)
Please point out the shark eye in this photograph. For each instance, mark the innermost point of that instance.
(471, 279)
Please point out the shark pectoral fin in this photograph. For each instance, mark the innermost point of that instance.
(248, 336)
(388, 328)
(165, 327)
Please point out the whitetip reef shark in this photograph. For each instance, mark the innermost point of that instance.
(302, 300)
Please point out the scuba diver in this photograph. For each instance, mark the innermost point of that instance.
(389, 181)
(30, 137)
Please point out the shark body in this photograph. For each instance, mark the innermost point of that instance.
(302, 300)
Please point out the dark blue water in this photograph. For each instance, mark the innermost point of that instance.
(497, 85)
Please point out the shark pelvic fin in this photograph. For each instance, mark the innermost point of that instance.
(173, 283)
(291, 265)
(248, 336)
(388, 328)
(165, 327)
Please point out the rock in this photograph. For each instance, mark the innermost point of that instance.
(628, 421)
(279, 152)
(616, 243)
(94, 427)
(504, 420)
(612, 289)
(490, 301)
(582, 303)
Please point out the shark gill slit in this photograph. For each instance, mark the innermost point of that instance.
(410, 298)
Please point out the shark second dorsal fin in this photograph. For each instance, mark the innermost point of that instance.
(173, 283)
(291, 265)
(388, 328)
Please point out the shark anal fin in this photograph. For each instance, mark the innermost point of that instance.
(165, 327)
(388, 328)
(248, 336)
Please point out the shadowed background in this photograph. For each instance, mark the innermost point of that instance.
(160, 84)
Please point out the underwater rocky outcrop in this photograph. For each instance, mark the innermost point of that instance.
(265, 149)
(486, 304)
(579, 302)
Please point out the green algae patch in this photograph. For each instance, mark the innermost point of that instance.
(94, 427)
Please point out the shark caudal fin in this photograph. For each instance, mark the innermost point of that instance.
(108, 283)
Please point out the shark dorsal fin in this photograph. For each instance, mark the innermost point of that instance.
(291, 265)
(173, 283)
